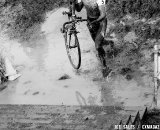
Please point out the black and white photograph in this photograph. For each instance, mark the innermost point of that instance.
(79, 64)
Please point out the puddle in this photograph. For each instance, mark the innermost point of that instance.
(44, 61)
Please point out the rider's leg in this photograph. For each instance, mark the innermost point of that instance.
(99, 41)
(93, 29)
(106, 42)
(97, 32)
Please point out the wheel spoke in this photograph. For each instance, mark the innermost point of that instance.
(73, 50)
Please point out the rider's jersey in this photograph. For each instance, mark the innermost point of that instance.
(92, 7)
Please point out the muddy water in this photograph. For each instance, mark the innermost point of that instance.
(43, 61)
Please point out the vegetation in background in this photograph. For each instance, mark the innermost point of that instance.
(21, 19)
(18, 17)
(137, 29)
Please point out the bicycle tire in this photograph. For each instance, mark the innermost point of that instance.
(68, 37)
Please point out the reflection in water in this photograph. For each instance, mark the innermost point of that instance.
(37, 50)
(81, 100)
(92, 100)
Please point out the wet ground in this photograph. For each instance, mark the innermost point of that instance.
(48, 79)
(43, 60)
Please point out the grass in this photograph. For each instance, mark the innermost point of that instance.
(17, 17)
(141, 18)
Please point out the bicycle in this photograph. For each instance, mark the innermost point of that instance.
(70, 35)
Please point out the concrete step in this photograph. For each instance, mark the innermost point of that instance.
(47, 117)
(42, 117)
(152, 117)
(143, 116)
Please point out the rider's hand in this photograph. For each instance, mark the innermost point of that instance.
(89, 25)
(79, 1)
(94, 22)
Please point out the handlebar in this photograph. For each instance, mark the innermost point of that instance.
(78, 19)
(66, 13)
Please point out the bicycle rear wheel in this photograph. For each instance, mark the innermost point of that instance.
(73, 49)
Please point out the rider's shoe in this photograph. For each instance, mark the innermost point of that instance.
(13, 77)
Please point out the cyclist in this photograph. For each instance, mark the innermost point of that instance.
(97, 24)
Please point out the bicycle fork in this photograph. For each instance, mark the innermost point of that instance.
(72, 32)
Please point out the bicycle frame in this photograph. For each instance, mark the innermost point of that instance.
(70, 34)
(72, 22)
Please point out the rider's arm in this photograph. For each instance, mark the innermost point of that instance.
(102, 9)
(79, 5)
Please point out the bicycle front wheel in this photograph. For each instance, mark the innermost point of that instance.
(73, 49)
